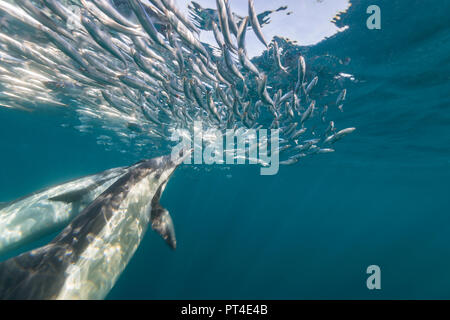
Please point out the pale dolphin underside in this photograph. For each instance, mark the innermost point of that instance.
(47, 210)
(85, 260)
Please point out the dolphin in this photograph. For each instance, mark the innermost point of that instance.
(50, 209)
(85, 260)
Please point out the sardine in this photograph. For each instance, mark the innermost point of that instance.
(170, 5)
(339, 135)
(277, 58)
(307, 114)
(224, 26)
(217, 35)
(241, 33)
(147, 23)
(42, 17)
(186, 34)
(231, 23)
(230, 64)
(341, 96)
(111, 12)
(58, 9)
(301, 73)
(262, 90)
(312, 84)
(246, 63)
(255, 23)
(103, 39)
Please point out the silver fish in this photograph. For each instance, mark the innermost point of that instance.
(134, 82)
(212, 107)
(64, 46)
(339, 135)
(289, 162)
(231, 23)
(262, 90)
(217, 35)
(111, 12)
(146, 65)
(198, 96)
(324, 113)
(170, 5)
(103, 39)
(341, 96)
(241, 33)
(312, 84)
(297, 133)
(110, 23)
(224, 26)
(277, 58)
(230, 63)
(147, 23)
(43, 18)
(325, 150)
(145, 49)
(307, 114)
(255, 23)
(301, 73)
(246, 63)
(57, 8)
(186, 35)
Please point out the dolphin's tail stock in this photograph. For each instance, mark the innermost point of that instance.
(85, 260)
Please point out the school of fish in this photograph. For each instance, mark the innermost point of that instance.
(138, 68)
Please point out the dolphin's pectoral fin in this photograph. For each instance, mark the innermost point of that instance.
(71, 196)
(163, 224)
(162, 221)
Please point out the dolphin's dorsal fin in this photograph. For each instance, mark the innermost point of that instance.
(161, 220)
(78, 195)
(71, 196)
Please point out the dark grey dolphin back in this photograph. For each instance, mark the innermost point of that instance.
(34, 276)
(4, 204)
(72, 195)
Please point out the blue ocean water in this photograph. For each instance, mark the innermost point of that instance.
(310, 231)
